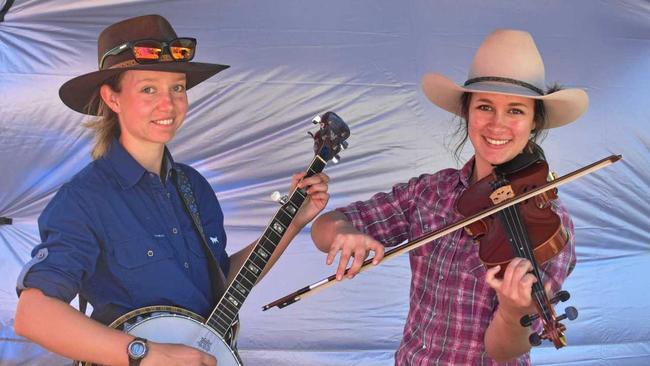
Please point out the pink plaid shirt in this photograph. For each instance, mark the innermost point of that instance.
(451, 305)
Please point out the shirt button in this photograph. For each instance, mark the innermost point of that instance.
(186, 265)
(424, 346)
(175, 230)
(149, 253)
(168, 195)
(441, 277)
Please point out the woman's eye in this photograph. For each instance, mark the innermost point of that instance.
(148, 90)
(516, 111)
(484, 107)
(179, 88)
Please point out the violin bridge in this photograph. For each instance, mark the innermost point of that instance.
(501, 194)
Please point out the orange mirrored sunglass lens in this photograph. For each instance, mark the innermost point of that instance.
(181, 53)
(147, 53)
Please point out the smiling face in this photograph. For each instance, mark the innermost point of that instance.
(151, 106)
(499, 128)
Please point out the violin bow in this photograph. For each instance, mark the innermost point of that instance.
(431, 236)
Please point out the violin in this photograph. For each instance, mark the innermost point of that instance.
(529, 230)
(538, 191)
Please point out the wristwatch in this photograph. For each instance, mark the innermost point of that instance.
(136, 350)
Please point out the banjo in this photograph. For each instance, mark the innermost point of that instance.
(217, 334)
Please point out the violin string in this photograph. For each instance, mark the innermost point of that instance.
(522, 246)
(513, 221)
(538, 288)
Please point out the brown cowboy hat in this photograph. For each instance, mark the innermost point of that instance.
(507, 62)
(78, 92)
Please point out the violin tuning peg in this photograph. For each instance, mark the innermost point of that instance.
(535, 339)
(527, 320)
(336, 159)
(570, 313)
(310, 134)
(316, 120)
(560, 296)
(344, 145)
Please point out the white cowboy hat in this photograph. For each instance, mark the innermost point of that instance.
(507, 62)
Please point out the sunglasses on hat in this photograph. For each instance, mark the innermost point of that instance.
(150, 51)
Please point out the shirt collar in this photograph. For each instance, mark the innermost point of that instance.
(129, 171)
(465, 173)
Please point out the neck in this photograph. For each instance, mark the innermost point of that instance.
(148, 155)
(481, 170)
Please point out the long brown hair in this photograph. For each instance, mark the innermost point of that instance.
(106, 126)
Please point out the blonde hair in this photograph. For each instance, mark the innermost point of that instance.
(106, 126)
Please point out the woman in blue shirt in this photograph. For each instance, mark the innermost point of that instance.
(118, 233)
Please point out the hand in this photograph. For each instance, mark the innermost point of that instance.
(514, 291)
(176, 355)
(352, 243)
(317, 196)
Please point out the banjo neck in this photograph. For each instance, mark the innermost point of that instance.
(225, 313)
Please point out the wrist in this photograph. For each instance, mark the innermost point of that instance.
(508, 317)
(137, 350)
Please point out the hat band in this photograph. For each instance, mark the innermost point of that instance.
(505, 80)
(129, 63)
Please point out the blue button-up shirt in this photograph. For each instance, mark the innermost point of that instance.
(121, 237)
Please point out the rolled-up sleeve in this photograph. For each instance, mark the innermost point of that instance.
(68, 252)
(385, 216)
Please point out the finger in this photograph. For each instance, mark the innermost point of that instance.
(314, 179)
(548, 287)
(295, 180)
(359, 256)
(491, 279)
(508, 273)
(332, 252)
(521, 269)
(315, 188)
(526, 288)
(379, 252)
(343, 263)
(320, 196)
(324, 177)
(209, 360)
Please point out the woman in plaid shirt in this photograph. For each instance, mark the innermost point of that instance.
(459, 312)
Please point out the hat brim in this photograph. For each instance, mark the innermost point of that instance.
(562, 107)
(77, 93)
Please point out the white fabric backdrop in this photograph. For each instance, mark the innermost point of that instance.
(246, 132)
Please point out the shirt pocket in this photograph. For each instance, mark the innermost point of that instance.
(145, 268)
(471, 263)
(139, 253)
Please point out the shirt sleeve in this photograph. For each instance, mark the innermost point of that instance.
(385, 216)
(68, 252)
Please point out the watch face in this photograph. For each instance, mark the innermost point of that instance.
(137, 349)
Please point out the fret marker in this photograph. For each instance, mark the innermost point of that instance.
(262, 253)
(253, 268)
(233, 301)
(278, 227)
(241, 288)
(291, 209)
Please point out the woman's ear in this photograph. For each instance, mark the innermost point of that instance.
(109, 96)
